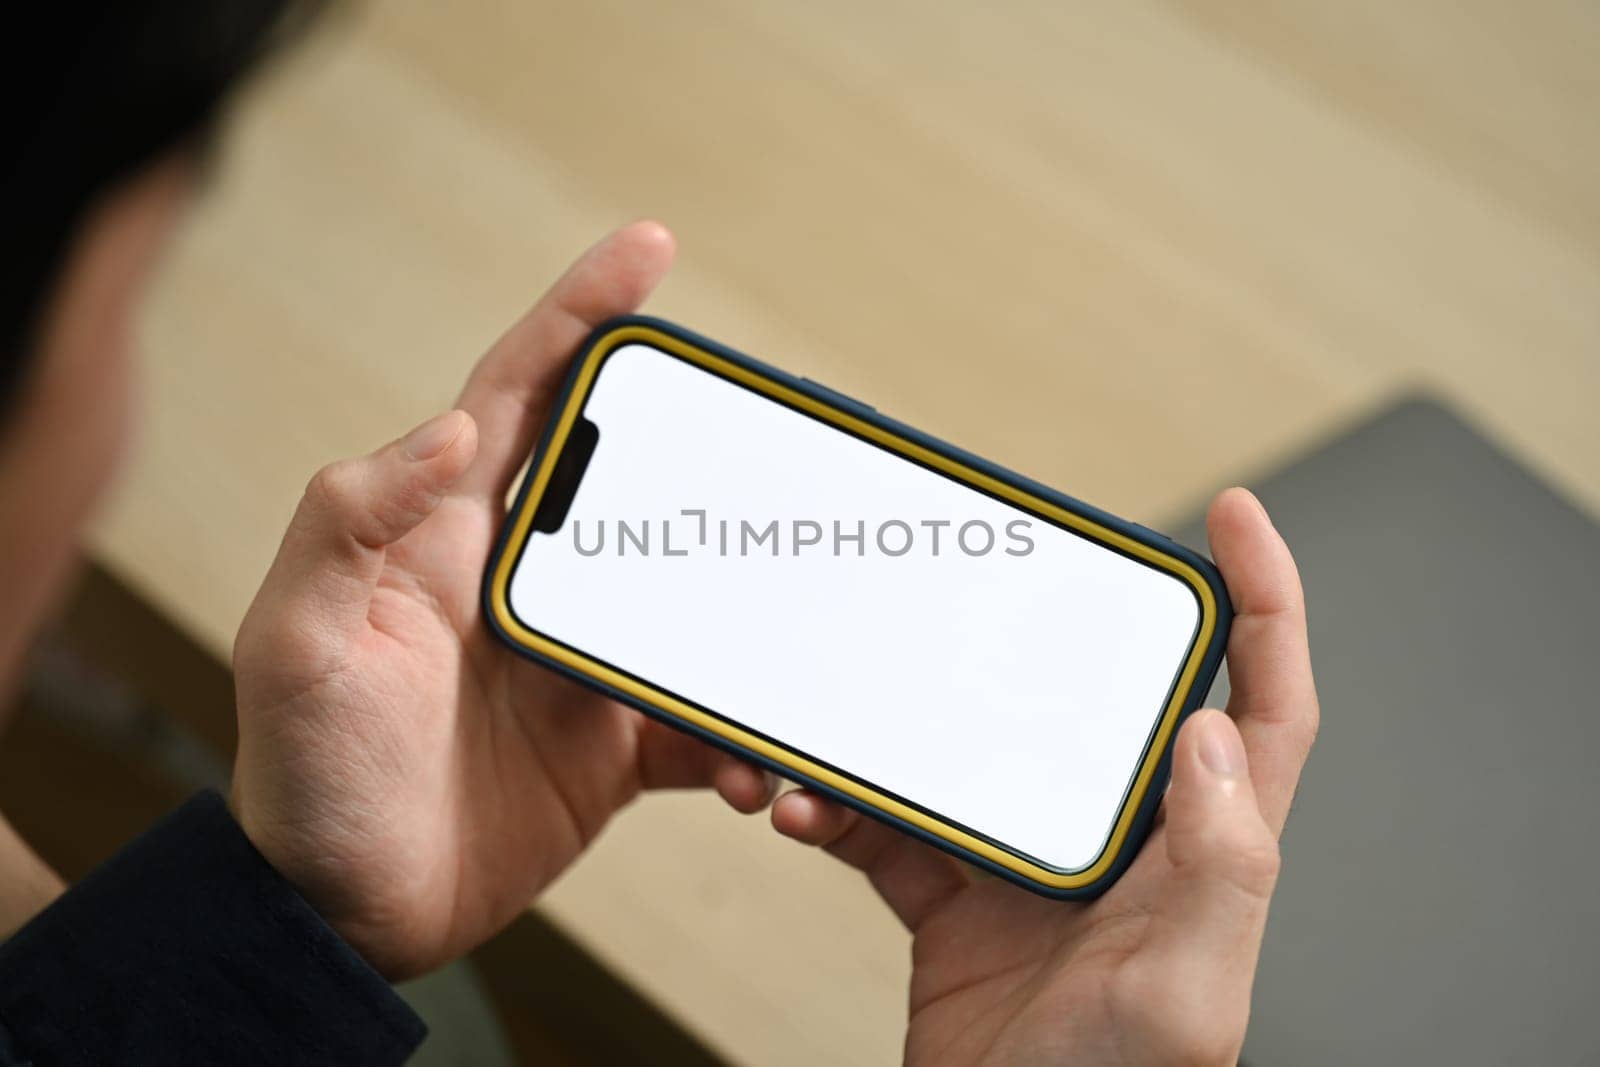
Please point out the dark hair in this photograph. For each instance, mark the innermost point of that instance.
(110, 89)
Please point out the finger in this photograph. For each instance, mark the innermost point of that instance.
(914, 879)
(810, 819)
(671, 759)
(746, 789)
(1197, 959)
(1274, 699)
(333, 552)
(510, 390)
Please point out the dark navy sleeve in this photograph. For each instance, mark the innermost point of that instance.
(187, 947)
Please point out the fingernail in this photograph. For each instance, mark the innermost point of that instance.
(432, 437)
(1220, 748)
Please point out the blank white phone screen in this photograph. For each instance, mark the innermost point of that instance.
(875, 615)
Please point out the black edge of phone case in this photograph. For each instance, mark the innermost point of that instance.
(1139, 827)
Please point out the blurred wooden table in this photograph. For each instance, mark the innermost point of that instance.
(1208, 232)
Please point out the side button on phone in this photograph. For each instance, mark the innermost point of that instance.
(839, 398)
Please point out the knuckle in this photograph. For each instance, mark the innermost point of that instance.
(1245, 858)
(275, 617)
(265, 638)
(1255, 865)
(1313, 722)
(332, 488)
(245, 642)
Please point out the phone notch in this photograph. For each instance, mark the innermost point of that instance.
(565, 478)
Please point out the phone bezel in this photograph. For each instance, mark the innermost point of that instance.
(1146, 783)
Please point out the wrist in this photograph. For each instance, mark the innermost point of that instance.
(316, 882)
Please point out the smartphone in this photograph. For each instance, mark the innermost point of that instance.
(774, 567)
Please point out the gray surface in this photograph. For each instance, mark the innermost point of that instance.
(1440, 898)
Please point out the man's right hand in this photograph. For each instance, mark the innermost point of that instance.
(1159, 970)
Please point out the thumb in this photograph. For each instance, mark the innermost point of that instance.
(1224, 856)
(352, 510)
(1205, 929)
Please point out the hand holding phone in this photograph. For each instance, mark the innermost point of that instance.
(418, 785)
(1160, 968)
